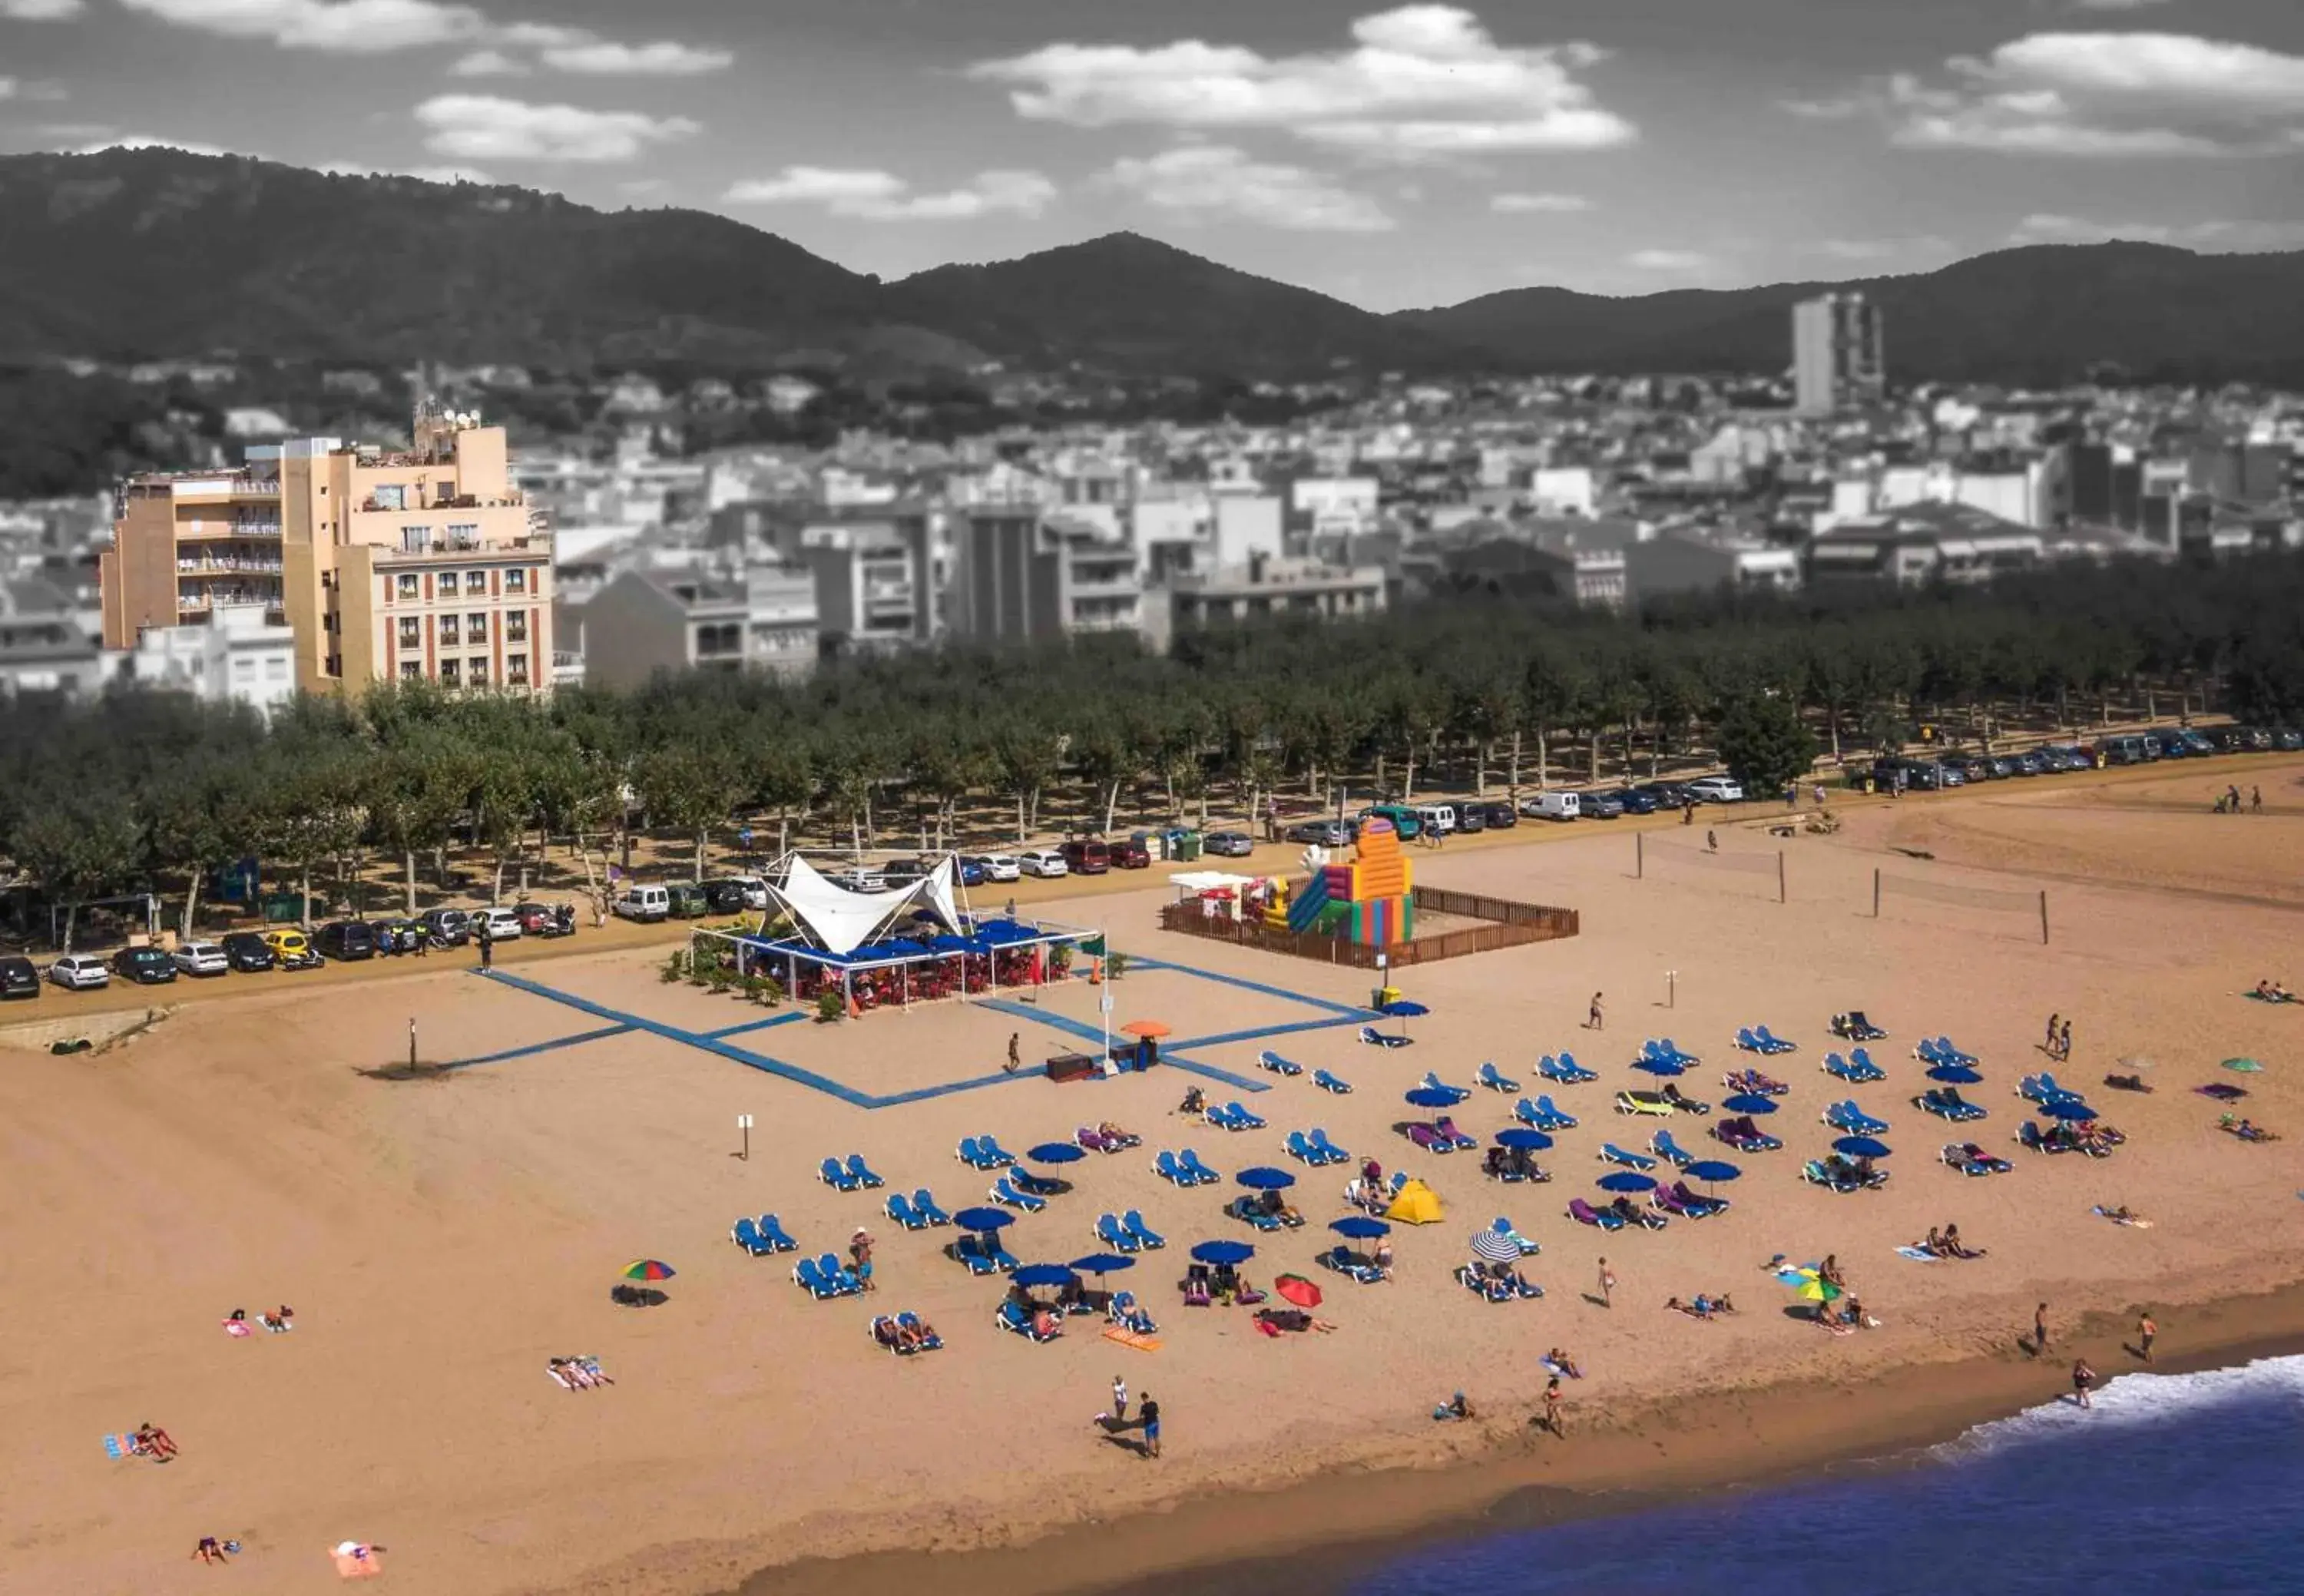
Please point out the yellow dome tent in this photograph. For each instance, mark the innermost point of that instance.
(1415, 1205)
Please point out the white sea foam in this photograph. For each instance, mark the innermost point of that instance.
(2136, 1399)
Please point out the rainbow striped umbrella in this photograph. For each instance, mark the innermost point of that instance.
(649, 1268)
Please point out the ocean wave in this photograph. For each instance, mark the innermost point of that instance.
(2133, 1399)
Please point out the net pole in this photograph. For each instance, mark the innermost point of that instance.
(1639, 856)
(1780, 876)
(1875, 892)
(2044, 917)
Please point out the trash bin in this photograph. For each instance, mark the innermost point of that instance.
(1382, 996)
(1187, 845)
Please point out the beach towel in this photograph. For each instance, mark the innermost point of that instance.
(118, 1446)
(2133, 1224)
(356, 1561)
(1918, 1254)
(1128, 1338)
(236, 1326)
(1562, 1370)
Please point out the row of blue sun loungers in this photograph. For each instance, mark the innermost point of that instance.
(1324, 1080)
(2043, 1089)
(852, 1176)
(917, 1212)
(1232, 1117)
(1757, 1038)
(1128, 1233)
(825, 1278)
(1542, 1116)
(885, 1329)
(983, 1152)
(982, 1253)
(762, 1236)
(1946, 1103)
(1564, 1071)
(1838, 1173)
(1315, 1149)
(1857, 1069)
(1744, 1136)
(1932, 1051)
(1969, 1158)
(1847, 1116)
(1184, 1170)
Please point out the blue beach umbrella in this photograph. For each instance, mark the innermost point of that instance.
(1043, 1274)
(1955, 1074)
(1359, 1227)
(1662, 1066)
(1748, 1102)
(2068, 1108)
(1434, 1097)
(1522, 1137)
(1055, 1152)
(1266, 1180)
(1711, 1170)
(1860, 1147)
(983, 1218)
(1223, 1252)
(1627, 1180)
(1404, 1008)
(1103, 1263)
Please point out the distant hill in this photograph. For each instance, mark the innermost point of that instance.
(154, 253)
(1137, 304)
(2042, 314)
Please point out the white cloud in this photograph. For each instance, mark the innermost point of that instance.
(42, 10)
(1669, 261)
(483, 127)
(381, 27)
(2211, 238)
(1203, 182)
(2097, 94)
(1926, 246)
(1535, 204)
(885, 197)
(1418, 81)
(489, 63)
(663, 59)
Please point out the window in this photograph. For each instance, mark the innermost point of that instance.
(516, 626)
(411, 670)
(448, 672)
(476, 672)
(516, 669)
(447, 584)
(411, 632)
(414, 539)
(476, 629)
(276, 669)
(516, 579)
(410, 587)
(450, 632)
(475, 583)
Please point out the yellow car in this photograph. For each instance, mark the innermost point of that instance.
(292, 947)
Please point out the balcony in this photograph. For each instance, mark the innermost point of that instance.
(234, 564)
(228, 528)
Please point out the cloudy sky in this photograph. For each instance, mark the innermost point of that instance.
(1413, 156)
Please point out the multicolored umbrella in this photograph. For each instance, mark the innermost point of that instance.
(1296, 1289)
(648, 1268)
(1494, 1246)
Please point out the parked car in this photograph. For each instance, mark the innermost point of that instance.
(292, 947)
(2133, 749)
(398, 934)
(248, 953)
(1320, 833)
(146, 966)
(1045, 862)
(858, 877)
(1129, 854)
(999, 867)
(203, 958)
(726, 897)
(1552, 806)
(2288, 738)
(1500, 817)
(1715, 789)
(1229, 844)
(1635, 802)
(450, 928)
(546, 920)
(754, 888)
(970, 872)
(80, 972)
(1950, 773)
(1405, 821)
(1668, 794)
(683, 900)
(1600, 804)
(1471, 817)
(903, 872)
(18, 978)
(1088, 856)
(343, 940)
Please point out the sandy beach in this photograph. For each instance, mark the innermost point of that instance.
(441, 1238)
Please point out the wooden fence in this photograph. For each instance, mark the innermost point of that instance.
(1507, 924)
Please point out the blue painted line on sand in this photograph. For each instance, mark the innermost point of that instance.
(787, 1019)
(533, 1048)
(1353, 1010)
(1262, 1031)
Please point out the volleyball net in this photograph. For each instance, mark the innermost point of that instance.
(1757, 872)
(1890, 891)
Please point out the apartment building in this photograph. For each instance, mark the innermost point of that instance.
(643, 622)
(1838, 358)
(425, 564)
(233, 653)
(1023, 574)
(877, 580)
(1688, 560)
(1930, 542)
(184, 542)
(44, 648)
(1267, 587)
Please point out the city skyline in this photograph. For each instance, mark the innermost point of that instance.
(1391, 158)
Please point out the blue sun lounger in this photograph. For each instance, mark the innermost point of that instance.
(899, 1208)
(1378, 1039)
(1666, 1148)
(839, 1179)
(924, 1205)
(1328, 1082)
(1610, 1153)
(1321, 1145)
(746, 1234)
(1565, 1071)
(1269, 1060)
(1488, 1077)
(1114, 1234)
(1004, 1192)
(1166, 1167)
(1199, 1171)
(772, 1231)
(1149, 1239)
(862, 1172)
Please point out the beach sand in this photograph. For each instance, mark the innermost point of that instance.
(441, 1238)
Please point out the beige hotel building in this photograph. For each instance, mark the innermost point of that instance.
(425, 564)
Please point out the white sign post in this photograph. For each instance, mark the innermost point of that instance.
(1670, 988)
(744, 1124)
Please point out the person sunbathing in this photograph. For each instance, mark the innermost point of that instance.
(1114, 1136)
(1829, 1272)
(1455, 1407)
(1293, 1318)
(591, 1365)
(2272, 991)
(1046, 1322)
(1196, 1102)
(1381, 1259)
(2123, 1215)
(1956, 1248)
(1699, 1309)
(209, 1550)
(2248, 1130)
(1935, 1245)
(1562, 1363)
(153, 1441)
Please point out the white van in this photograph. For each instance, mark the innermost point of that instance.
(1553, 806)
(1439, 819)
(644, 901)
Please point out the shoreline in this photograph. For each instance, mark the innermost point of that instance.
(1323, 1530)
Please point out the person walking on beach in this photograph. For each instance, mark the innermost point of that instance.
(1551, 1415)
(2083, 1381)
(2049, 1046)
(2146, 1333)
(488, 945)
(1150, 1420)
(2040, 1330)
(1711, 842)
(1015, 1051)
(2065, 1043)
(1594, 1020)
(2255, 800)
(1119, 1398)
(1607, 1285)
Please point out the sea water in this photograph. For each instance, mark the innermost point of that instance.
(2170, 1484)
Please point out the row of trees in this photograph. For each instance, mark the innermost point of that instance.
(154, 790)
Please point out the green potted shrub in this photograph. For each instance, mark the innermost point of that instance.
(675, 966)
(828, 1006)
(1116, 966)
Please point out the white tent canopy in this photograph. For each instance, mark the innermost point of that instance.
(841, 920)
